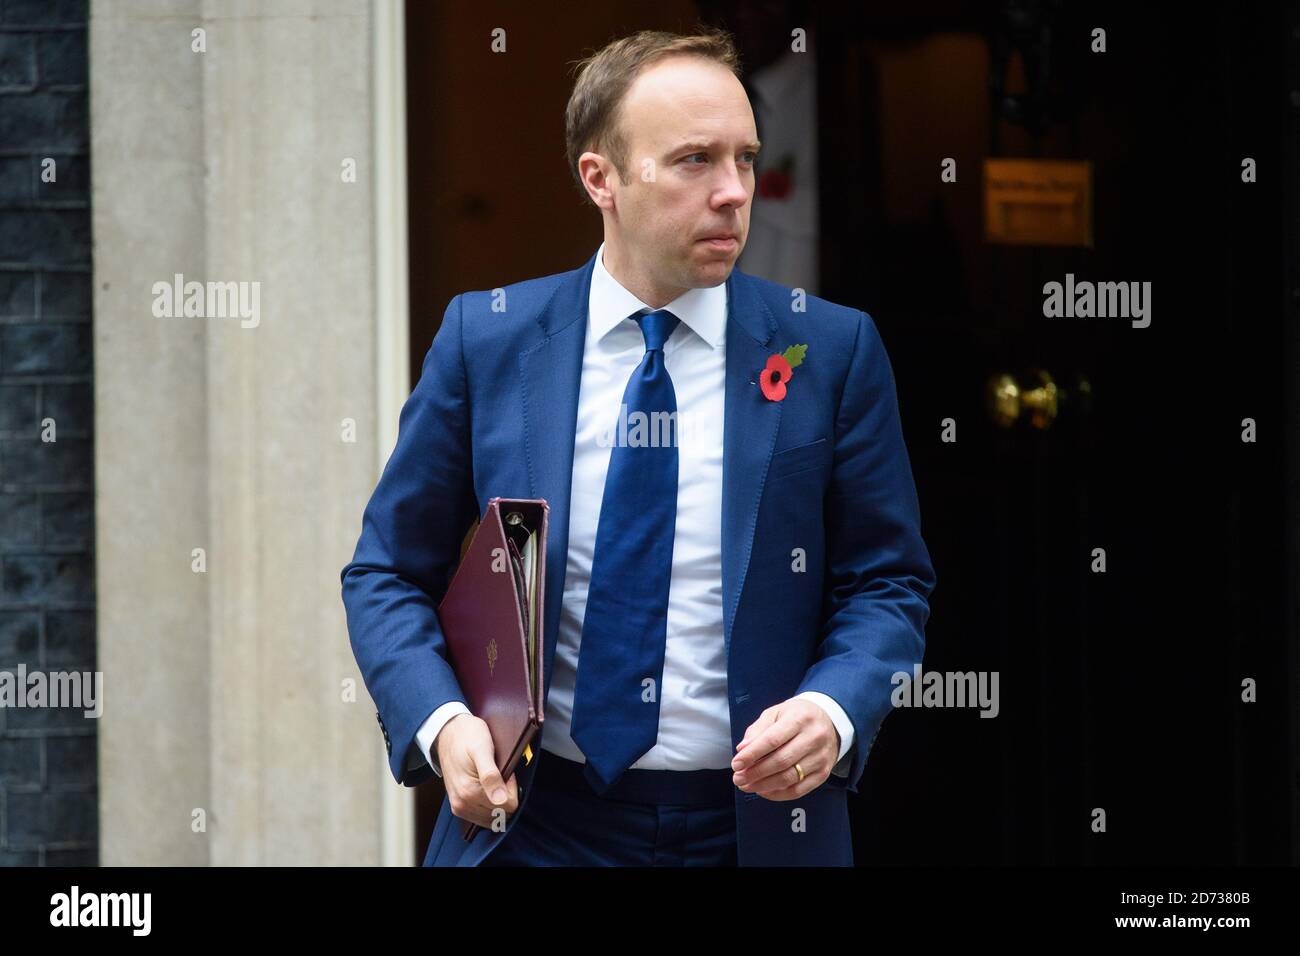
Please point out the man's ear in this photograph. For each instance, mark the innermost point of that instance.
(595, 171)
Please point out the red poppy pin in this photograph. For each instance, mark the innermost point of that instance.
(778, 371)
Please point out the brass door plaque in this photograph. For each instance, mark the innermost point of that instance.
(1039, 202)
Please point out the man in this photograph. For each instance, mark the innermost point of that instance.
(724, 613)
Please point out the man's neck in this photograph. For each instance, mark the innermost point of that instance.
(652, 295)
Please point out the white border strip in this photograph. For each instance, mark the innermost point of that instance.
(392, 332)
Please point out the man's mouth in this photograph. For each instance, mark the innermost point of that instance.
(722, 241)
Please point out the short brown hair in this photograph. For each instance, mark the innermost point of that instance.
(591, 119)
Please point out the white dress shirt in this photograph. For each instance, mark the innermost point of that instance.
(694, 721)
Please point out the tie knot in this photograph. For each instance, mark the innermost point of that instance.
(656, 327)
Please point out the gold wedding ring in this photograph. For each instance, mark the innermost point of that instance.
(801, 773)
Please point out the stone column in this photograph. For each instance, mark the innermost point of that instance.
(229, 484)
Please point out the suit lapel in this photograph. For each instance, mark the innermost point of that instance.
(750, 424)
(550, 375)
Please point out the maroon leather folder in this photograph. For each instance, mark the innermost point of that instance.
(491, 618)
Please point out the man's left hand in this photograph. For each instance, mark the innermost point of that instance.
(794, 731)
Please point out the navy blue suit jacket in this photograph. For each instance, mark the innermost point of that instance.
(825, 470)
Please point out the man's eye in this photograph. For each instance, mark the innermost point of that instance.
(693, 155)
(751, 158)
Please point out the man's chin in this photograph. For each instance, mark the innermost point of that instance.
(714, 271)
(706, 277)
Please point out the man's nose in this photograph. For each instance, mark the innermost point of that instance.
(731, 191)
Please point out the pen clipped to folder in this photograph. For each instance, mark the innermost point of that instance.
(492, 620)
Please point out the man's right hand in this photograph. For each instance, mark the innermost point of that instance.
(468, 762)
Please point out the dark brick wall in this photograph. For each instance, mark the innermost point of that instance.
(47, 619)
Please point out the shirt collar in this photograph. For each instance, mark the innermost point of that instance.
(703, 311)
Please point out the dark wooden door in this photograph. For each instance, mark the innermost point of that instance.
(1119, 690)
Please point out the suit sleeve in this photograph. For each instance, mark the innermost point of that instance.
(879, 575)
(411, 532)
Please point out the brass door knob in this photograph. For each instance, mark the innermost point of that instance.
(1038, 400)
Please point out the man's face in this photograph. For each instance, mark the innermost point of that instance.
(691, 151)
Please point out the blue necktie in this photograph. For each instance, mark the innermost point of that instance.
(621, 655)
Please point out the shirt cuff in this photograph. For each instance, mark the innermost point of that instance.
(428, 732)
(842, 724)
